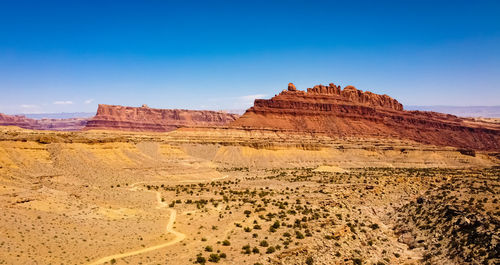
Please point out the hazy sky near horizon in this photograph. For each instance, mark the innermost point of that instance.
(68, 56)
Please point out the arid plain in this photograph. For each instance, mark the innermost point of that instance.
(242, 197)
(249, 132)
(323, 176)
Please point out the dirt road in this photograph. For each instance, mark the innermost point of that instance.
(169, 229)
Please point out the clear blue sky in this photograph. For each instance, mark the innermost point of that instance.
(68, 56)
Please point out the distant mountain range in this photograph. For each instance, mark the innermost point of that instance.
(60, 115)
(40, 116)
(462, 111)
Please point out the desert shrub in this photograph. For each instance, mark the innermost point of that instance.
(201, 260)
(357, 261)
(214, 258)
(246, 249)
(274, 226)
(270, 250)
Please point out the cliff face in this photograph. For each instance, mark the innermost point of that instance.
(71, 124)
(352, 112)
(155, 120)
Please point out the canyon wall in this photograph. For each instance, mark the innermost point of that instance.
(118, 152)
(111, 117)
(71, 124)
(352, 112)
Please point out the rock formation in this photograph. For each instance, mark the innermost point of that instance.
(71, 124)
(155, 120)
(352, 112)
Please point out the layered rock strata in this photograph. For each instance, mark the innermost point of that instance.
(351, 112)
(111, 117)
(70, 124)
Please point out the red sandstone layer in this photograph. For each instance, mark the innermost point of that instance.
(110, 117)
(352, 112)
(71, 124)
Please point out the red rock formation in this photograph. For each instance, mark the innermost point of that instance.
(71, 124)
(155, 120)
(352, 112)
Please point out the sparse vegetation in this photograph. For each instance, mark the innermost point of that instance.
(294, 215)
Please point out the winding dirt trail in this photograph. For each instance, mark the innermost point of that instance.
(169, 229)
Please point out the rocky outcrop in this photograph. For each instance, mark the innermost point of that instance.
(452, 222)
(111, 117)
(71, 124)
(351, 112)
(16, 120)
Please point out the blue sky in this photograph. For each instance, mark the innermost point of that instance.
(68, 56)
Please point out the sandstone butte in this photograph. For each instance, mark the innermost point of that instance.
(71, 124)
(350, 112)
(112, 117)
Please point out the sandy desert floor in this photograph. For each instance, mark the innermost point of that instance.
(110, 198)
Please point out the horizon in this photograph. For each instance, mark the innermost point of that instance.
(412, 107)
(66, 57)
(461, 111)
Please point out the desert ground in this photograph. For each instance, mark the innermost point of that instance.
(206, 196)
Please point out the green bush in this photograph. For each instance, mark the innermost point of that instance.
(270, 250)
(299, 235)
(246, 249)
(214, 258)
(201, 260)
